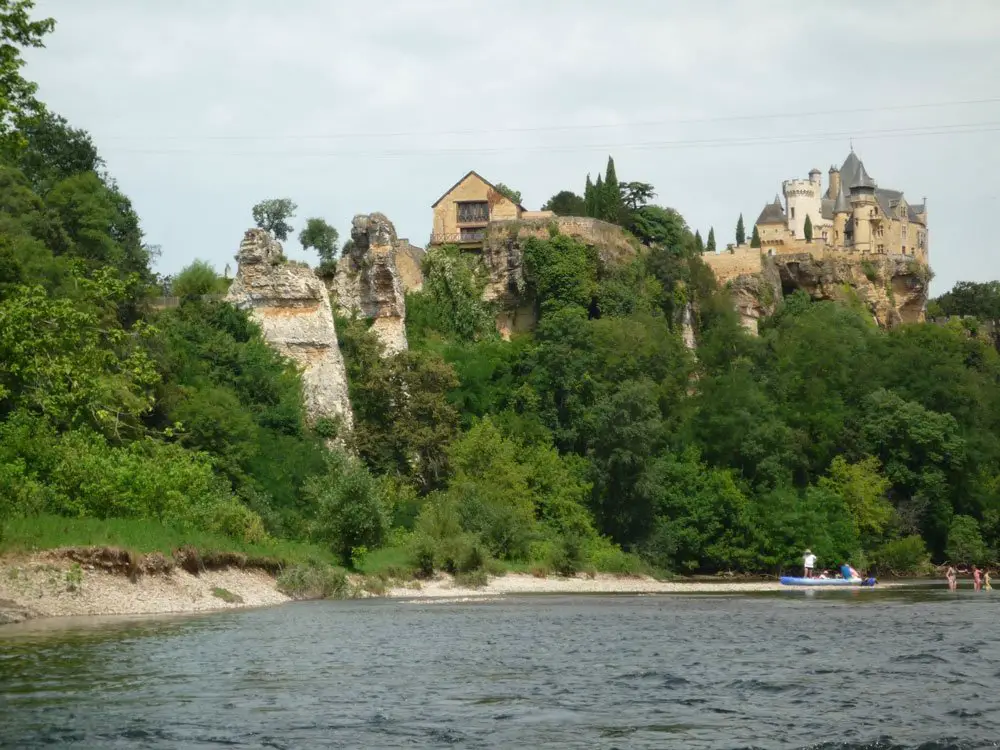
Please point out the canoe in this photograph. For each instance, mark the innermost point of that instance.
(794, 581)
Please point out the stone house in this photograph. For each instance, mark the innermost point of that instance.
(463, 213)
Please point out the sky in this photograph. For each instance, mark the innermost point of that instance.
(202, 109)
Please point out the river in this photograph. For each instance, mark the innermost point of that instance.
(833, 669)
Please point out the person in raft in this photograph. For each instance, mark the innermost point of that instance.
(808, 563)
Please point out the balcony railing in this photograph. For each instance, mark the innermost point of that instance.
(459, 238)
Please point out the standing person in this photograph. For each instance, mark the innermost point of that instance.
(977, 580)
(808, 563)
(986, 580)
(952, 577)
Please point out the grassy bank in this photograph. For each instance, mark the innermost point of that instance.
(39, 533)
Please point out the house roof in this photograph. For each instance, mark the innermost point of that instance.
(826, 206)
(773, 213)
(862, 180)
(841, 206)
(465, 177)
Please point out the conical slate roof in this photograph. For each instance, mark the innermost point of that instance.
(772, 213)
(841, 206)
(862, 180)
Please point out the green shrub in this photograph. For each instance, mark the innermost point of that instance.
(352, 507)
(965, 542)
(472, 579)
(902, 556)
(308, 581)
(568, 558)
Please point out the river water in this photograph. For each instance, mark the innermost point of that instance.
(868, 669)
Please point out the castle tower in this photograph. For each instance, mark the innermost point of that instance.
(804, 198)
(841, 215)
(834, 190)
(815, 177)
(862, 210)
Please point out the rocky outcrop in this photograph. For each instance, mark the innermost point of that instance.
(893, 288)
(368, 281)
(409, 263)
(503, 260)
(756, 295)
(292, 307)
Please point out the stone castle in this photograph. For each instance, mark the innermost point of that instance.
(853, 213)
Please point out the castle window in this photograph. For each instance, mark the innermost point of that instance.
(793, 211)
(904, 231)
(904, 249)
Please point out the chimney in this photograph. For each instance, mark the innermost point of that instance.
(834, 184)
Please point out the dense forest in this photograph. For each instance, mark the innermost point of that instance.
(596, 442)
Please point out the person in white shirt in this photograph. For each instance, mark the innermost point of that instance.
(808, 562)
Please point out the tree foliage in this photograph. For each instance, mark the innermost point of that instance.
(741, 233)
(273, 214)
(318, 235)
(512, 195)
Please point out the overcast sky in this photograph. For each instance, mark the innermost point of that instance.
(201, 108)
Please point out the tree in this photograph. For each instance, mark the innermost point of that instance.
(741, 232)
(755, 239)
(53, 151)
(512, 195)
(965, 542)
(612, 206)
(637, 194)
(17, 95)
(321, 237)
(981, 300)
(196, 280)
(598, 209)
(710, 246)
(864, 491)
(567, 203)
(808, 229)
(589, 197)
(272, 215)
(699, 245)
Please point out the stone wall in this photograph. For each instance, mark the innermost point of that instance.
(727, 265)
(292, 307)
(368, 281)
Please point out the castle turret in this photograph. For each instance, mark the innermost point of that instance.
(841, 214)
(834, 190)
(862, 209)
(815, 177)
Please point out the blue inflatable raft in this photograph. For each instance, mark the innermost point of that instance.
(795, 581)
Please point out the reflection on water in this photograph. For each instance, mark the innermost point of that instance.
(828, 669)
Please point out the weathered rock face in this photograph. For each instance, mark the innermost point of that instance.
(293, 308)
(503, 260)
(892, 288)
(368, 281)
(756, 296)
(408, 262)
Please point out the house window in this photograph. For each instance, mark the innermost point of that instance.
(471, 212)
(904, 231)
(904, 249)
(471, 235)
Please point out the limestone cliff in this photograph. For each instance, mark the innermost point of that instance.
(293, 308)
(503, 260)
(368, 281)
(893, 288)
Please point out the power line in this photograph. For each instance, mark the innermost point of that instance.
(733, 142)
(554, 128)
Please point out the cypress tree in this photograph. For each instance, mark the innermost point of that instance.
(699, 246)
(755, 240)
(741, 232)
(613, 204)
(711, 240)
(598, 211)
(808, 229)
(588, 196)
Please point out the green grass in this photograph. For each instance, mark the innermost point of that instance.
(226, 595)
(387, 561)
(143, 536)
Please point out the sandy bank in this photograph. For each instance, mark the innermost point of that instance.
(47, 585)
(521, 583)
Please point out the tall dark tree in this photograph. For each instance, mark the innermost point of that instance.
(710, 246)
(755, 239)
(598, 209)
(808, 229)
(741, 232)
(613, 208)
(699, 243)
(589, 197)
